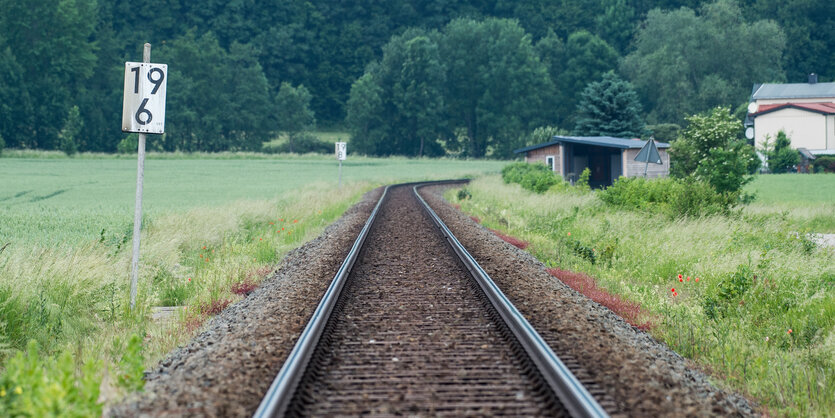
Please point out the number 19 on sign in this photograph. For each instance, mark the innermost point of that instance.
(143, 108)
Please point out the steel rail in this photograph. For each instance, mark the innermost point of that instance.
(278, 396)
(280, 393)
(574, 396)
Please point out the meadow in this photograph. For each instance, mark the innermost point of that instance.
(748, 297)
(214, 226)
(807, 201)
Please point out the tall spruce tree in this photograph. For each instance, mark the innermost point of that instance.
(609, 107)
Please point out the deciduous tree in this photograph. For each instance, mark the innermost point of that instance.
(710, 150)
(686, 62)
(294, 114)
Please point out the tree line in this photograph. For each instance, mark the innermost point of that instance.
(61, 65)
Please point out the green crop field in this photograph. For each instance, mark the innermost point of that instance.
(807, 201)
(213, 225)
(69, 201)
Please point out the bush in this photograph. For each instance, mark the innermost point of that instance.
(673, 197)
(2, 144)
(782, 158)
(128, 144)
(34, 385)
(534, 177)
(825, 164)
(708, 150)
(301, 144)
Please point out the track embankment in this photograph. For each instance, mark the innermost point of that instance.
(412, 316)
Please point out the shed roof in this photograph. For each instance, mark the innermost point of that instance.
(599, 141)
(823, 108)
(793, 91)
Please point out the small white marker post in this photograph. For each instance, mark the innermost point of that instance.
(143, 111)
(341, 151)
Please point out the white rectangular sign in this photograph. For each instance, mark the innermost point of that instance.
(143, 107)
(341, 150)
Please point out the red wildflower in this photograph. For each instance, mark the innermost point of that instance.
(789, 331)
(688, 278)
(679, 277)
(673, 290)
(697, 279)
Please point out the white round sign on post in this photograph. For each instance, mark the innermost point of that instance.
(143, 106)
(749, 132)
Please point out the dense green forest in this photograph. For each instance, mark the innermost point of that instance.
(468, 77)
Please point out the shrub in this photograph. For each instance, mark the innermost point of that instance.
(128, 144)
(673, 197)
(534, 177)
(32, 385)
(302, 143)
(729, 293)
(825, 163)
(131, 366)
(708, 150)
(781, 157)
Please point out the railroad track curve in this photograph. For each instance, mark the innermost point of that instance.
(412, 325)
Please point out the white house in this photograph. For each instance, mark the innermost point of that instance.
(804, 111)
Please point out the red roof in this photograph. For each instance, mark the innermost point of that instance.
(826, 108)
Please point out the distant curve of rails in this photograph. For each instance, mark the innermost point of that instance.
(411, 324)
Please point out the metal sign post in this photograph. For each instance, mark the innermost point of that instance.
(341, 152)
(143, 111)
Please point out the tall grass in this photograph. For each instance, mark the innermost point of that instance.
(757, 279)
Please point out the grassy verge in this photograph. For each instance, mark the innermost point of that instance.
(71, 305)
(754, 303)
(214, 227)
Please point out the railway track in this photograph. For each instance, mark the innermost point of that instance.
(412, 325)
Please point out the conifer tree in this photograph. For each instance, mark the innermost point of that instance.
(609, 107)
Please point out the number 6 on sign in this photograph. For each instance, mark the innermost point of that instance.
(143, 108)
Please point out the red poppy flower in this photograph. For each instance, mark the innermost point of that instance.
(679, 276)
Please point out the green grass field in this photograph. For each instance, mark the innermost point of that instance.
(69, 201)
(213, 224)
(807, 201)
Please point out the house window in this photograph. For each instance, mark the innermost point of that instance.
(549, 161)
